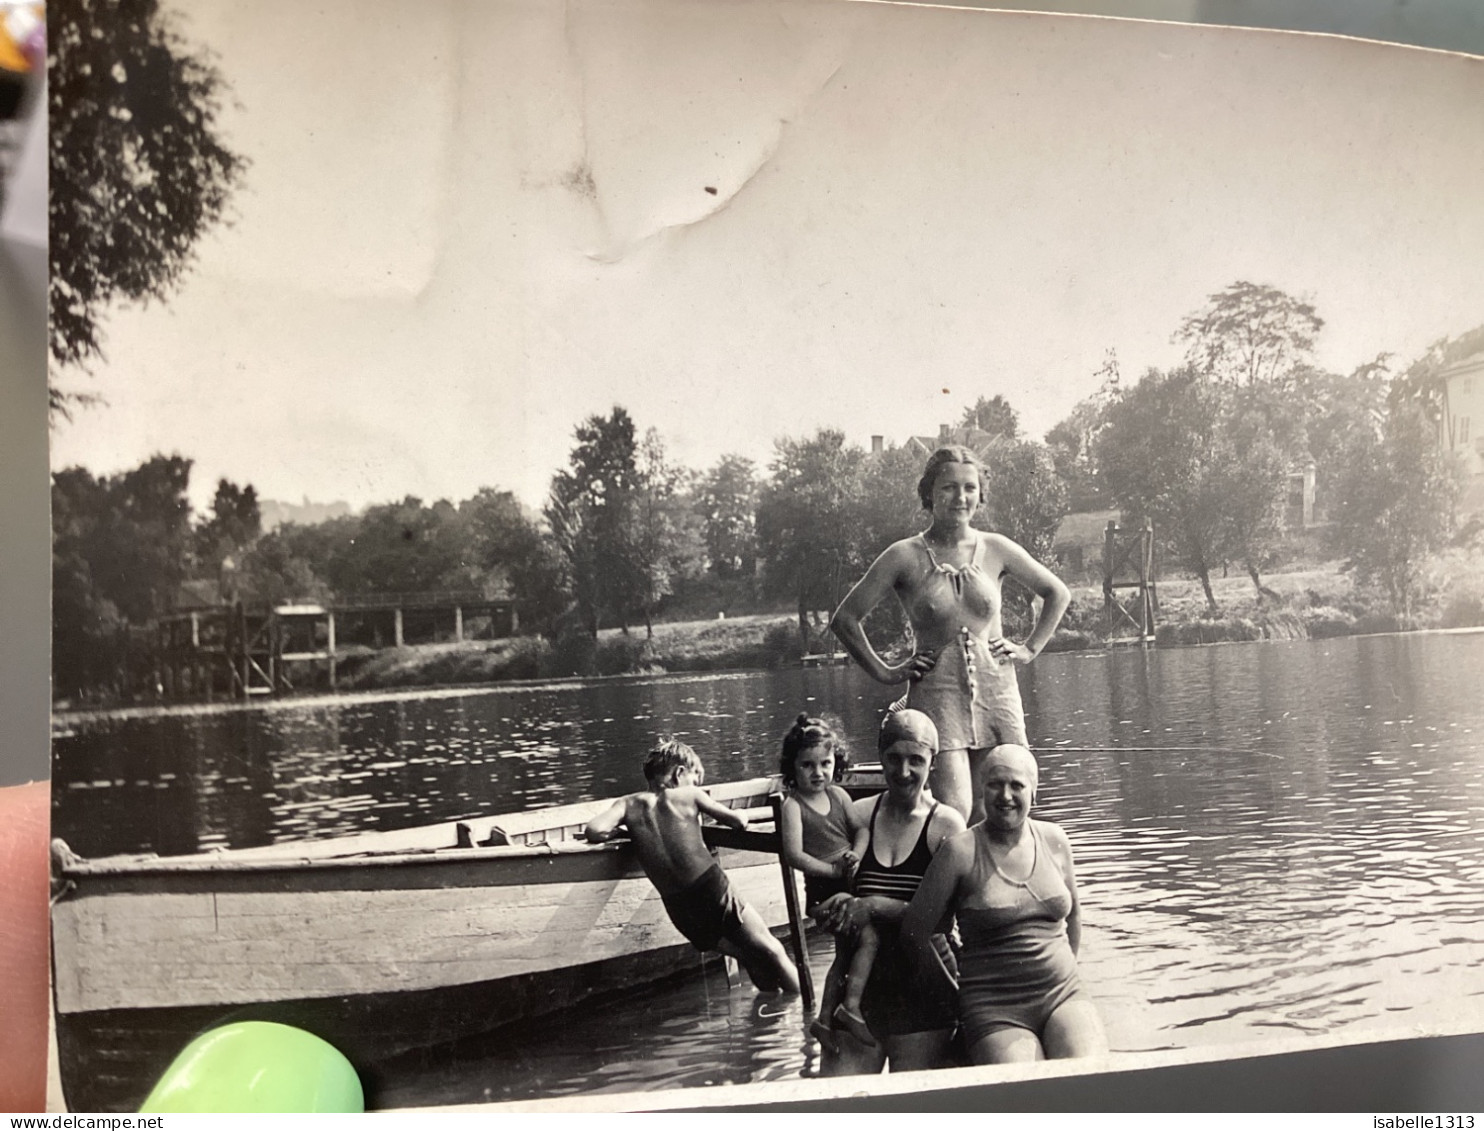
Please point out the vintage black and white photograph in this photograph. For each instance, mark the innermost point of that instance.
(632, 545)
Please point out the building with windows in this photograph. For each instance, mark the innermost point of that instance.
(1461, 429)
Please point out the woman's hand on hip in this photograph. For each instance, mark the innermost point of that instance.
(914, 669)
(1004, 650)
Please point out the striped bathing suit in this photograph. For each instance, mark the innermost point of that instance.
(892, 1004)
(900, 881)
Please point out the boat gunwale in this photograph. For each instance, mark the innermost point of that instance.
(217, 862)
(281, 858)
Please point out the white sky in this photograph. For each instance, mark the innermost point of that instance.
(469, 225)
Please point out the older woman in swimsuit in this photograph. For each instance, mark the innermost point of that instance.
(963, 670)
(1011, 885)
(907, 828)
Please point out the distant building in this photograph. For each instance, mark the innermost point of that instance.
(975, 438)
(275, 514)
(1300, 509)
(1461, 429)
(1077, 552)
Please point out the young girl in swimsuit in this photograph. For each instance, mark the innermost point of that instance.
(1011, 885)
(825, 839)
(963, 669)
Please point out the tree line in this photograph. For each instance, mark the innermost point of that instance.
(1206, 450)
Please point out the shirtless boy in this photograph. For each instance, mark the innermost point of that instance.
(664, 822)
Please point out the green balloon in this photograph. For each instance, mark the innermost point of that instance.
(257, 1066)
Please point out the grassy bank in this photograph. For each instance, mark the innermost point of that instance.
(769, 640)
(1315, 603)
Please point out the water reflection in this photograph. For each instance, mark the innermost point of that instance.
(1279, 838)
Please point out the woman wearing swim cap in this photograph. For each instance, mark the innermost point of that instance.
(962, 673)
(1010, 883)
(907, 827)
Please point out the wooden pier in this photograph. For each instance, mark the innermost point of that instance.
(239, 651)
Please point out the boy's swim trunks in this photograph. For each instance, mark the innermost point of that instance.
(707, 911)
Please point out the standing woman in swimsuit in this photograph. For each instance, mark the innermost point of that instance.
(1010, 883)
(909, 1030)
(963, 670)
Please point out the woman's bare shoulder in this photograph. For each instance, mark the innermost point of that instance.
(903, 551)
(998, 544)
(946, 822)
(958, 848)
(1055, 837)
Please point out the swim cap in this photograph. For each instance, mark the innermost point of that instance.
(1017, 757)
(908, 724)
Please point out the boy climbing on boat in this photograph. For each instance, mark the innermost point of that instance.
(664, 822)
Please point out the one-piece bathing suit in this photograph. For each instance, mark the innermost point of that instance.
(891, 1004)
(972, 698)
(1016, 965)
(826, 835)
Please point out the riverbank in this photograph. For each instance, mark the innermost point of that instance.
(1317, 603)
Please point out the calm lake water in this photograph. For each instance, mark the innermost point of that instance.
(1272, 839)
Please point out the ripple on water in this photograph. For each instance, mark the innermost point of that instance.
(1269, 839)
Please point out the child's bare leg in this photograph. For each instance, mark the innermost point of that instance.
(867, 943)
(830, 998)
(835, 981)
(848, 1013)
(761, 955)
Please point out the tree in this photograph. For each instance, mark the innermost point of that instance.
(993, 415)
(507, 544)
(235, 524)
(1395, 504)
(138, 170)
(120, 548)
(1073, 441)
(271, 572)
(84, 621)
(1249, 333)
(808, 520)
(317, 547)
(1167, 454)
(727, 503)
(1024, 498)
(405, 547)
(1335, 408)
(1422, 383)
(889, 507)
(664, 538)
(589, 513)
(1257, 441)
(140, 545)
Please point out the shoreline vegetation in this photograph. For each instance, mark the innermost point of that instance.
(1317, 603)
(1314, 603)
(1335, 489)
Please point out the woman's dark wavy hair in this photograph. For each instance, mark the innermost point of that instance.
(807, 733)
(953, 453)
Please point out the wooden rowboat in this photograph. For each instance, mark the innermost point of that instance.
(378, 942)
